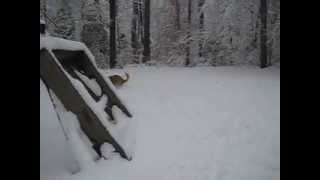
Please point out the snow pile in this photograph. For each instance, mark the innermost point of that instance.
(190, 123)
(82, 154)
(91, 83)
(107, 150)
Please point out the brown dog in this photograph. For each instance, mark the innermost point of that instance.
(118, 81)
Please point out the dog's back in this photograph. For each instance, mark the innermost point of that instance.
(118, 80)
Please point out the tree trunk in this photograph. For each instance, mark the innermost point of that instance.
(189, 33)
(146, 42)
(134, 28)
(263, 34)
(118, 37)
(141, 23)
(201, 25)
(113, 41)
(176, 5)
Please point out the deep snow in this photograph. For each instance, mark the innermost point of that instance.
(189, 123)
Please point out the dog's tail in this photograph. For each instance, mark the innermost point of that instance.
(127, 77)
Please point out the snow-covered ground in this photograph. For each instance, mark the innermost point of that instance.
(219, 123)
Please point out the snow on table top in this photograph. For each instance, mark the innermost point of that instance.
(53, 43)
(192, 123)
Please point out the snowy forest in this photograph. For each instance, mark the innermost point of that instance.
(159, 89)
(171, 32)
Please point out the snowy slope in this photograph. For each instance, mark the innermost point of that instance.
(191, 123)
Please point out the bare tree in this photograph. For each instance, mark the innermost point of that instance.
(176, 5)
(146, 39)
(201, 25)
(113, 40)
(263, 34)
(141, 19)
(134, 28)
(189, 33)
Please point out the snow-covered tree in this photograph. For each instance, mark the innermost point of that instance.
(218, 32)
(65, 25)
(94, 31)
(43, 9)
